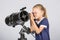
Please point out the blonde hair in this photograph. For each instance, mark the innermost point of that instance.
(42, 8)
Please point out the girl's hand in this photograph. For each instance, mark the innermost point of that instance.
(31, 16)
(31, 22)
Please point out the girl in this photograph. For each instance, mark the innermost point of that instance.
(39, 22)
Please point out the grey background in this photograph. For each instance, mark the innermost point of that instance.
(7, 7)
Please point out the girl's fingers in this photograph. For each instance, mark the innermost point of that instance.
(31, 16)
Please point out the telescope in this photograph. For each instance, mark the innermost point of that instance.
(19, 18)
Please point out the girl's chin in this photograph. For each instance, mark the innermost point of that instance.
(36, 18)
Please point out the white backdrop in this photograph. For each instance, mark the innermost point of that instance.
(7, 7)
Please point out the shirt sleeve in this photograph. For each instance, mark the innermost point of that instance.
(44, 23)
(43, 26)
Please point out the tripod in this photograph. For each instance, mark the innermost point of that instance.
(22, 37)
(24, 29)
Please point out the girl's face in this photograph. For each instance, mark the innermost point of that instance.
(37, 13)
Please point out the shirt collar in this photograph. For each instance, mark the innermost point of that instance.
(40, 20)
